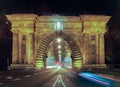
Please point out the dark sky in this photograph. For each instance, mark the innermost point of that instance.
(63, 7)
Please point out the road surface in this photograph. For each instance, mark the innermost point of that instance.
(50, 78)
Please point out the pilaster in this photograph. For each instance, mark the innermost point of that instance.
(21, 59)
(101, 49)
(97, 49)
(86, 57)
(30, 48)
(15, 48)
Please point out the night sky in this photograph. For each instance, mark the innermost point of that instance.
(63, 7)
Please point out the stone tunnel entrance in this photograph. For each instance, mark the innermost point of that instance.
(34, 36)
(60, 53)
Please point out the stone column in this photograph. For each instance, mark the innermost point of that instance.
(97, 48)
(20, 53)
(30, 48)
(15, 48)
(86, 49)
(101, 49)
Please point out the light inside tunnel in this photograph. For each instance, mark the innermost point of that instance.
(59, 46)
(59, 51)
(59, 40)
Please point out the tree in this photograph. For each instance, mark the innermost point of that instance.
(5, 41)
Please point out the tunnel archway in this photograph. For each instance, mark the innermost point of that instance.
(44, 43)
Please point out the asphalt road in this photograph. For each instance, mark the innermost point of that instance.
(46, 78)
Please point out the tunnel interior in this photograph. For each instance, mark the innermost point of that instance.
(58, 54)
(59, 48)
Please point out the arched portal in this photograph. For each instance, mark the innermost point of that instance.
(28, 29)
(43, 45)
(58, 54)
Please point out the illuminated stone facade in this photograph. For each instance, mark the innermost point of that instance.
(32, 34)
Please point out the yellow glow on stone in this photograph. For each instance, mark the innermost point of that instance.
(39, 64)
(78, 64)
(95, 27)
(28, 49)
(25, 24)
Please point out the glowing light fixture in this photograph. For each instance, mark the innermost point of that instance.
(59, 46)
(59, 52)
(58, 26)
(59, 40)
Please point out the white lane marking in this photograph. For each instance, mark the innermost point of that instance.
(27, 76)
(1, 83)
(62, 81)
(16, 79)
(56, 81)
(9, 77)
(59, 80)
